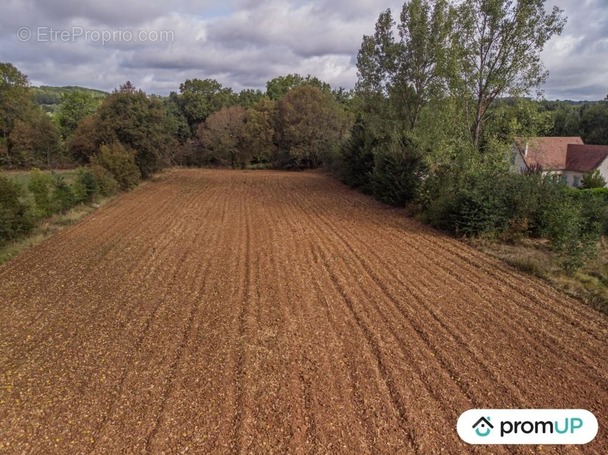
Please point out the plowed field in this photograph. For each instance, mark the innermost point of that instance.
(266, 312)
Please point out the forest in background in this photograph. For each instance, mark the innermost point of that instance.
(51, 142)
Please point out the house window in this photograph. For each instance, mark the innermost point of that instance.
(576, 181)
(563, 178)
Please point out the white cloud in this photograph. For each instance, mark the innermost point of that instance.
(244, 43)
(577, 60)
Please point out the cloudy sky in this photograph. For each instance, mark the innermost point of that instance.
(244, 43)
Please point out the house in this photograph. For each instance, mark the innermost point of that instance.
(568, 158)
(582, 159)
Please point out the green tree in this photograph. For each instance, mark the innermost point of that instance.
(120, 162)
(407, 72)
(346, 98)
(378, 121)
(40, 185)
(376, 60)
(278, 87)
(311, 126)
(15, 218)
(88, 184)
(140, 123)
(198, 99)
(377, 64)
(44, 97)
(85, 141)
(15, 102)
(593, 180)
(396, 174)
(594, 123)
(222, 135)
(398, 78)
(424, 29)
(566, 119)
(573, 235)
(248, 97)
(358, 156)
(129, 117)
(499, 46)
(74, 106)
(34, 140)
(517, 117)
(177, 121)
(260, 131)
(63, 194)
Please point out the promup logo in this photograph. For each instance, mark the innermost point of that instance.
(483, 427)
(527, 426)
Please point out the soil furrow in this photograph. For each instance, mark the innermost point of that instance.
(549, 342)
(213, 311)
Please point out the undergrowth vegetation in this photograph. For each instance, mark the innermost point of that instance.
(31, 198)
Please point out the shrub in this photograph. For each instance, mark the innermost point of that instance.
(86, 186)
(490, 202)
(397, 173)
(474, 204)
(358, 157)
(63, 195)
(528, 195)
(106, 183)
(593, 180)
(79, 191)
(573, 234)
(120, 162)
(15, 218)
(481, 206)
(599, 192)
(394, 179)
(41, 185)
(594, 204)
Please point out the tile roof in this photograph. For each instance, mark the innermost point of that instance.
(585, 158)
(549, 152)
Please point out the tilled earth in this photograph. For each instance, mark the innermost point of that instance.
(266, 312)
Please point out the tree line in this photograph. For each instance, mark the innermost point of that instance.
(128, 135)
(292, 124)
(443, 89)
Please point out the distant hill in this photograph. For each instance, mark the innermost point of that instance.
(509, 99)
(49, 97)
(578, 103)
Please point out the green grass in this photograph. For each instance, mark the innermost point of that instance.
(46, 229)
(589, 284)
(23, 177)
(527, 265)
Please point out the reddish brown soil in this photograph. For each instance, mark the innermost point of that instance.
(263, 312)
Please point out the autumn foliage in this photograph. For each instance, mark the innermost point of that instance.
(222, 137)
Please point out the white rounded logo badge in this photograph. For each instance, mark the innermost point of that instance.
(527, 426)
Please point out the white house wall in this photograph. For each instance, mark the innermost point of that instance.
(603, 168)
(570, 175)
(519, 165)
